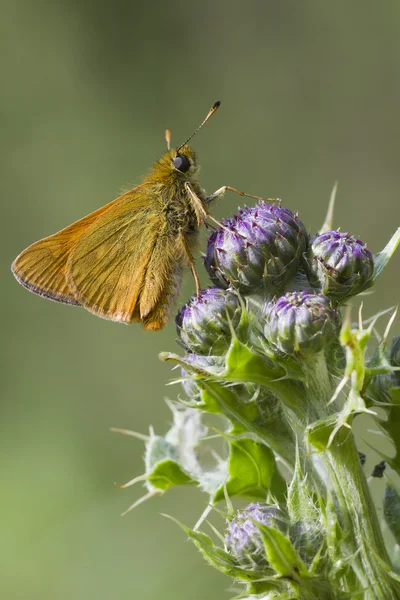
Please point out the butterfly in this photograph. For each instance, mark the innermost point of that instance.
(124, 261)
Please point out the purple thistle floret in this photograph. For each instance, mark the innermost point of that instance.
(243, 539)
(258, 248)
(342, 264)
(300, 322)
(204, 323)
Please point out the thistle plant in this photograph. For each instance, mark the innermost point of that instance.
(274, 373)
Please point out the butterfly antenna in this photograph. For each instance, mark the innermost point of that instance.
(212, 110)
(168, 138)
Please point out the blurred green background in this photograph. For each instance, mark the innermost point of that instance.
(310, 93)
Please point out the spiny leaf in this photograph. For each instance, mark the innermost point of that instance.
(382, 258)
(251, 469)
(168, 473)
(218, 558)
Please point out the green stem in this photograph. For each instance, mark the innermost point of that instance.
(308, 403)
(359, 519)
(357, 513)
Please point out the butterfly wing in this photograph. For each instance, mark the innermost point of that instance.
(107, 269)
(41, 267)
(162, 282)
(121, 262)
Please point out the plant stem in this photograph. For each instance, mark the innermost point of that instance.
(359, 518)
(356, 511)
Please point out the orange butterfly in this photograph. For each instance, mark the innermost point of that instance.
(124, 261)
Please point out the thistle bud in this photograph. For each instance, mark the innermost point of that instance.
(259, 247)
(300, 322)
(203, 323)
(342, 264)
(243, 539)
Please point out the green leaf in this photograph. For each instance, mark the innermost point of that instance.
(382, 258)
(281, 554)
(200, 372)
(259, 418)
(287, 563)
(245, 365)
(226, 400)
(251, 469)
(170, 460)
(168, 473)
(319, 432)
(278, 591)
(282, 377)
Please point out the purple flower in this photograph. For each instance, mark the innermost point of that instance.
(300, 322)
(258, 248)
(203, 323)
(243, 539)
(342, 264)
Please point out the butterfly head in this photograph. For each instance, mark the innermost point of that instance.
(184, 161)
(178, 164)
(181, 163)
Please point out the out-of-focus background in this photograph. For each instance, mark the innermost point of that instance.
(310, 93)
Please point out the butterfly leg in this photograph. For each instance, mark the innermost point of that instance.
(227, 188)
(198, 205)
(191, 263)
(201, 212)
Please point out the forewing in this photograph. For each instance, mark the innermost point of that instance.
(41, 267)
(106, 269)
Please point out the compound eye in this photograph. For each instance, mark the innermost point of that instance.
(181, 163)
